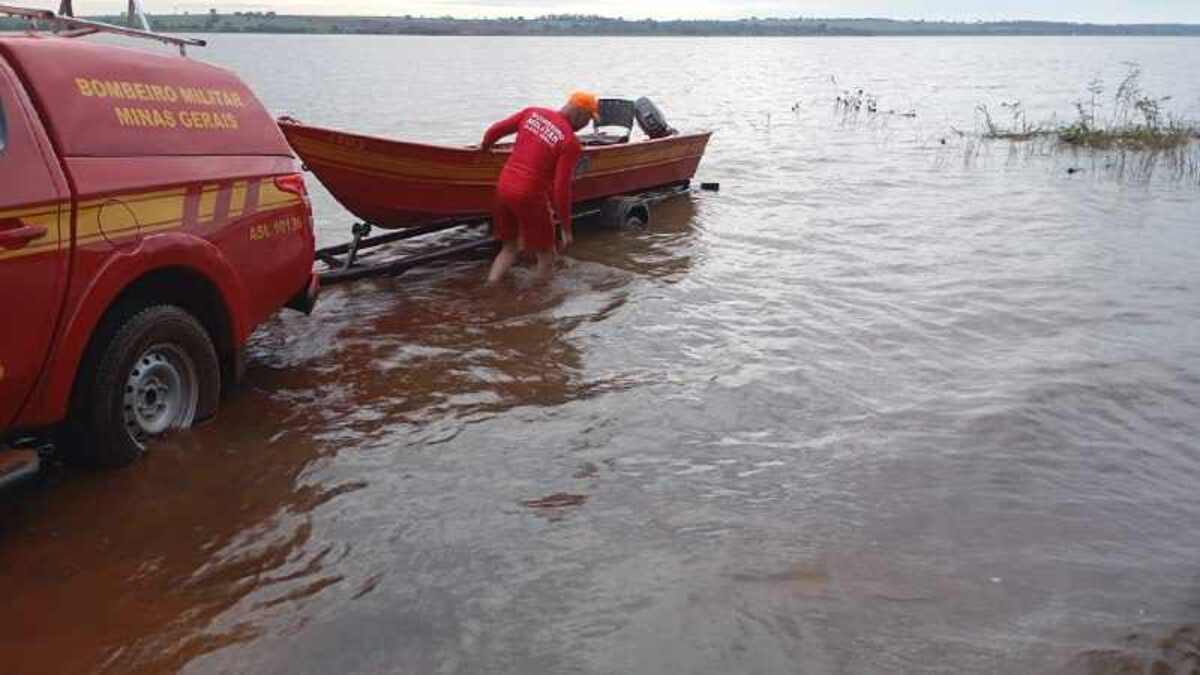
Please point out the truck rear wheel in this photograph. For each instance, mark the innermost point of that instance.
(159, 372)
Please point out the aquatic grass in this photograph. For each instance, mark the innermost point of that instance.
(1137, 121)
(1128, 136)
(1132, 138)
(1134, 155)
(850, 102)
(1018, 128)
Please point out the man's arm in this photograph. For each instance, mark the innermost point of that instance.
(505, 127)
(564, 176)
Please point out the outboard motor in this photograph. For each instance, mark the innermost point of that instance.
(651, 120)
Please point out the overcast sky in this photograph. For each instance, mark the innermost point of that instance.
(1099, 11)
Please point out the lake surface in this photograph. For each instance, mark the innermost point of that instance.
(894, 401)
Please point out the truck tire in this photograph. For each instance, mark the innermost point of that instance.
(159, 372)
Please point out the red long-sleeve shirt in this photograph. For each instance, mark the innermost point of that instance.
(544, 156)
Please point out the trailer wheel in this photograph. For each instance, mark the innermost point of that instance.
(159, 372)
(625, 213)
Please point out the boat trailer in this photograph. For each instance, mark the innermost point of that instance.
(356, 259)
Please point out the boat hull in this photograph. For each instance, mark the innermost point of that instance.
(395, 184)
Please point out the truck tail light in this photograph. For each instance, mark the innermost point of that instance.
(293, 183)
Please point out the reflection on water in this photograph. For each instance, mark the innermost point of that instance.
(872, 408)
(1149, 649)
(233, 528)
(137, 564)
(1118, 166)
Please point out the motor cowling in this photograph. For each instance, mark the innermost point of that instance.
(651, 120)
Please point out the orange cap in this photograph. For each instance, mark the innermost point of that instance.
(585, 101)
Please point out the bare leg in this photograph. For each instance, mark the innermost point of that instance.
(545, 265)
(503, 262)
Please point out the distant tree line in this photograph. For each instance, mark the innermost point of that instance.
(576, 24)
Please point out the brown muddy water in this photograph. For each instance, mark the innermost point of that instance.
(894, 401)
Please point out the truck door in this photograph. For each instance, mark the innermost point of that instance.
(34, 245)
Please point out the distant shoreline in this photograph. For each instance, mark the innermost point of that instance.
(580, 26)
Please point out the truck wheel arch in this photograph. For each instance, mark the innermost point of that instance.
(208, 285)
(191, 291)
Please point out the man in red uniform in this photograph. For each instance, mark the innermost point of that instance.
(542, 164)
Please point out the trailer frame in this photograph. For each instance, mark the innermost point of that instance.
(343, 262)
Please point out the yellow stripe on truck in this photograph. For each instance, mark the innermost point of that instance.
(237, 199)
(136, 198)
(208, 203)
(125, 217)
(35, 212)
(131, 215)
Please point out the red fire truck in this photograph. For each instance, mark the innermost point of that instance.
(151, 215)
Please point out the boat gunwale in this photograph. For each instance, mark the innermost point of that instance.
(468, 150)
(364, 169)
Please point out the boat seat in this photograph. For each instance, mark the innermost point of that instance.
(614, 123)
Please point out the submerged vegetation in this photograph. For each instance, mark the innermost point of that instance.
(853, 101)
(1128, 134)
(1136, 120)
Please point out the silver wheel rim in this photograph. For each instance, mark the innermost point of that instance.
(161, 393)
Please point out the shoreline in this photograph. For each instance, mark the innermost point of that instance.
(593, 26)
